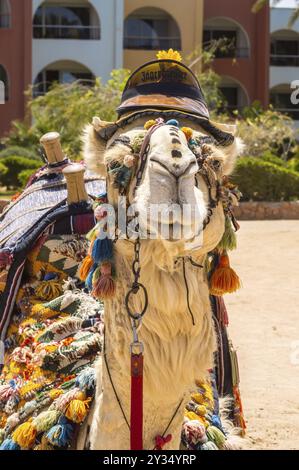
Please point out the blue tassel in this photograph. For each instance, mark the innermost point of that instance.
(61, 435)
(88, 282)
(86, 380)
(9, 444)
(173, 122)
(215, 420)
(102, 250)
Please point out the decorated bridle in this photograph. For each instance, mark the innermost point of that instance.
(97, 269)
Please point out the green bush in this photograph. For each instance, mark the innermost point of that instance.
(269, 157)
(263, 181)
(17, 151)
(24, 176)
(3, 169)
(293, 164)
(15, 165)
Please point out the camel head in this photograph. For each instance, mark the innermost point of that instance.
(170, 175)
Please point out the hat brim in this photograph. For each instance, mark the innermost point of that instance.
(159, 101)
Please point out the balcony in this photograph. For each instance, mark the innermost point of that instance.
(152, 43)
(66, 32)
(233, 53)
(151, 29)
(283, 60)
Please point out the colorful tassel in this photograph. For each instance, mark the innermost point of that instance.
(103, 285)
(77, 410)
(188, 132)
(86, 380)
(224, 280)
(46, 420)
(228, 241)
(44, 444)
(102, 250)
(209, 446)
(61, 435)
(9, 444)
(85, 267)
(214, 434)
(25, 435)
(173, 122)
(88, 282)
(149, 124)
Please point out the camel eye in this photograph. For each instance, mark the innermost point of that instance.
(216, 164)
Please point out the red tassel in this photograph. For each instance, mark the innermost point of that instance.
(161, 441)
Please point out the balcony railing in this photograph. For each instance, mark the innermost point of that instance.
(292, 112)
(151, 43)
(41, 88)
(4, 20)
(66, 32)
(235, 52)
(284, 60)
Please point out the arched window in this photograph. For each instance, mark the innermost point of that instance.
(66, 21)
(235, 39)
(285, 48)
(234, 94)
(4, 91)
(151, 29)
(64, 71)
(5, 14)
(280, 98)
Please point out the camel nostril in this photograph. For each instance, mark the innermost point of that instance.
(176, 154)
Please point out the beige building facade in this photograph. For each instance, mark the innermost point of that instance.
(162, 25)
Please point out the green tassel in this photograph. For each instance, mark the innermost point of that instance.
(228, 241)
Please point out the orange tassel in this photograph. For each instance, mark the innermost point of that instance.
(188, 132)
(224, 280)
(104, 287)
(85, 267)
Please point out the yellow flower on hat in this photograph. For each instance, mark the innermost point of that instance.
(170, 54)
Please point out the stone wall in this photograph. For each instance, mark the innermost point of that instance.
(267, 210)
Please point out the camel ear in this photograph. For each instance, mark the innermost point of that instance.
(94, 146)
(230, 155)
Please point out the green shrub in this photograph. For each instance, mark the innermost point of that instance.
(293, 164)
(269, 157)
(15, 165)
(17, 151)
(24, 176)
(3, 169)
(263, 181)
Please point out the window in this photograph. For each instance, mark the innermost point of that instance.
(230, 37)
(151, 29)
(66, 22)
(4, 14)
(61, 74)
(4, 80)
(285, 52)
(280, 98)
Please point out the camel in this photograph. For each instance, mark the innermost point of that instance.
(177, 330)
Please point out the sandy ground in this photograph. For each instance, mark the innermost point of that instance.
(264, 327)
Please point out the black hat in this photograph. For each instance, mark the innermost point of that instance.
(163, 84)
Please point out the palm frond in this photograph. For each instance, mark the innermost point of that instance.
(294, 17)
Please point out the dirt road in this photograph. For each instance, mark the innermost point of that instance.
(264, 327)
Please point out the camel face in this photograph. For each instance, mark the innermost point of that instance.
(178, 185)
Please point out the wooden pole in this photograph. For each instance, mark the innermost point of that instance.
(74, 175)
(52, 146)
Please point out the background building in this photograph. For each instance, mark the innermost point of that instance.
(15, 57)
(162, 25)
(284, 61)
(244, 66)
(64, 40)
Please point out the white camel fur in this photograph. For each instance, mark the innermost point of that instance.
(176, 352)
